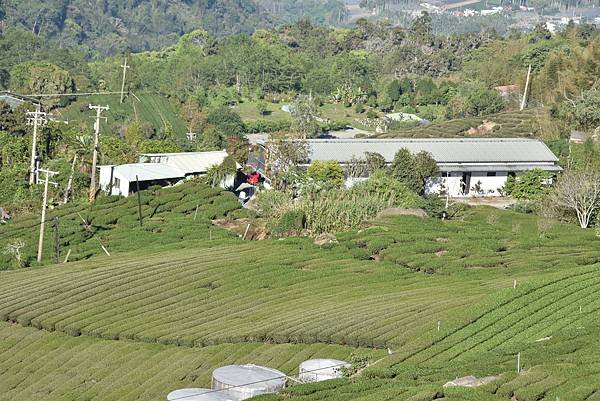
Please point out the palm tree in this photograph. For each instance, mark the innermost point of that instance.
(83, 151)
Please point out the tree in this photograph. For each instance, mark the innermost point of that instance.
(529, 186)
(424, 168)
(284, 154)
(327, 172)
(401, 167)
(42, 77)
(226, 121)
(413, 171)
(587, 110)
(578, 190)
(374, 162)
(262, 107)
(304, 113)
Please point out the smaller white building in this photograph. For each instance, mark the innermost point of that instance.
(123, 179)
(156, 169)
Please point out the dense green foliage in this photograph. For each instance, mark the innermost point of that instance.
(328, 173)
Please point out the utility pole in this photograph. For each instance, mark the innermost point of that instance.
(44, 204)
(125, 67)
(524, 100)
(36, 118)
(99, 110)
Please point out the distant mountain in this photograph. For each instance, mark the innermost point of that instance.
(114, 26)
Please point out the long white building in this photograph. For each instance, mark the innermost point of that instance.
(468, 166)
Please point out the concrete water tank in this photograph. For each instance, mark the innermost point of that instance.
(316, 370)
(246, 381)
(199, 394)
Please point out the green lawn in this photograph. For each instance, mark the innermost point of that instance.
(248, 111)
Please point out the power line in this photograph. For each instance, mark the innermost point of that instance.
(73, 94)
(258, 382)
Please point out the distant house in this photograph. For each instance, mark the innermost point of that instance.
(468, 166)
(507, 90)
(156, 169)
(123, 179)
(14, 100)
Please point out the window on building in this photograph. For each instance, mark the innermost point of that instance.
(491, 174)
(117, 183)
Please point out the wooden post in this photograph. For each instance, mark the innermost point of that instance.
(519, 362)
(246, 232)
(196, 212)
(139, 198)
(514, 284)
(439, 325)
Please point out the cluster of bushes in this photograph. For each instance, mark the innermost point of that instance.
(334, 209)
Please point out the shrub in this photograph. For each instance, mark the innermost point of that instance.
(372, 114)
(328, 172)
(289, 224)
(530, 186)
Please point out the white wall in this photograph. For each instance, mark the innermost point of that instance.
(105, 175)
(453, 183)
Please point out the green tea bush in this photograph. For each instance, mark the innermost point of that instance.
(290, 223)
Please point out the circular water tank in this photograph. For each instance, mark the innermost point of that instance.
(246, 381)
(316, 370)
(198, 394)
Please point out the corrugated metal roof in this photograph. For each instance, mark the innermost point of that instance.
(147, 171)
(188, 162)
(463, 150)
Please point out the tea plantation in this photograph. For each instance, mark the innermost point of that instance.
(507, 124)
(169, 216)
(36, 365)
(162, 317)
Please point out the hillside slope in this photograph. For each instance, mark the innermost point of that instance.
(52, 366)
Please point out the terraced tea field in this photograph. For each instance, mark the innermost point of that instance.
(154, 109)
(41, 366)
(542, 321)
(507, 124)
(168, 215)
(178, 314)
(250, 293)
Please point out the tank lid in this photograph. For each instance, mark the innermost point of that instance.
(249, 376)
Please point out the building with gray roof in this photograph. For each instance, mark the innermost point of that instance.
(468, 166)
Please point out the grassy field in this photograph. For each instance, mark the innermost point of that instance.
(168, 215)
(41, 366)
(148, 108)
